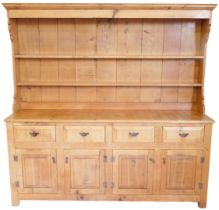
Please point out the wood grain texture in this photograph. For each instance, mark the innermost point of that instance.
(108, 116)
(109, 102)
(33, 6)
(98, 52)
(132, 172)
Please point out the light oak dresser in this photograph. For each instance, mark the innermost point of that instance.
(108, 102)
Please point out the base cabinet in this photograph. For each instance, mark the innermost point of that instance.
(133, 171)
(36, 171)
(84, 171)
(148, 169)
(109, 102)
(181, 172)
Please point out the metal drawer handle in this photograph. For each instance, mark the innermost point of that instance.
(133, 134)
(183, 135)
(34, 133)
(84, 134)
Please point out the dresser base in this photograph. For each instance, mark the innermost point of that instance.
(160, 198)
(157, 157)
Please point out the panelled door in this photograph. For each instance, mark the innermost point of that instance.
(36, 171)
(84, 171)
(133, 171)
(181, 171)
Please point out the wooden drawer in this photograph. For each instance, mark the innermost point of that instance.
(34, 133)
(80, 134)
(183, 134)
(133, 134)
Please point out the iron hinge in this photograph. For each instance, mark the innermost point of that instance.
(104, 158)
(15, 158)
(66, 160)
(202, 159)
(17, 184)
(112, 185)
(54, 160)
(104, 184)
(200, 185)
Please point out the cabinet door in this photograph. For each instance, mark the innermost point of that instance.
(37, 171)
(181, 171)
(133, 171)
(84, 171)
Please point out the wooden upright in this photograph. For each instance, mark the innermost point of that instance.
(108, 102)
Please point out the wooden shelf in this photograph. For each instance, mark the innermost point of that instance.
(70, 115)
(68, 84)
(96, 81)
(108, 57)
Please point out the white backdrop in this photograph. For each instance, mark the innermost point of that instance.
(212, 109)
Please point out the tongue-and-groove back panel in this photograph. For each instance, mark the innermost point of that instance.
(108, 63)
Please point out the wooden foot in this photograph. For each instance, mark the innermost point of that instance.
(202, 204)
(15, 202)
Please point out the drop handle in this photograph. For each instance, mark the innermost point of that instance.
(152, 160)
(133, 134)
(53, 159)
(84, 134)
(34, 133)
(183, 135)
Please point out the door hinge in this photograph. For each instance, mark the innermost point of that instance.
(152, 160)
(202, 159)
(112, 185)
(15, 158)
(104, 184)
(54, 160)
(112, 159)
(200, 185)
(104, 158)
(17, 184)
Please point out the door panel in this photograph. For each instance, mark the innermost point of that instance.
(84, 171)
(37, 171)
(181, 171)
(133, 171)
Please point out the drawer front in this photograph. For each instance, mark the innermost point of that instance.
(183, 134)
(80, 134)
(34, 133)
(133, 134)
